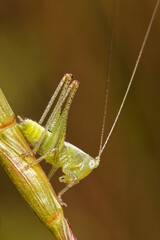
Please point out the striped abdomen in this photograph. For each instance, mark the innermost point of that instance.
(32, 132)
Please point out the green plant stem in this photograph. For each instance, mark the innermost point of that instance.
(32, 183)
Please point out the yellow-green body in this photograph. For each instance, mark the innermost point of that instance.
(68, 157)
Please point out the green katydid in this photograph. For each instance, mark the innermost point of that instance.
(49, 141)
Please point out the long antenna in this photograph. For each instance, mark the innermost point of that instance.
(108, 75)
(133, 74)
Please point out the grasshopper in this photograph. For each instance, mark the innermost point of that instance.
(49, 141)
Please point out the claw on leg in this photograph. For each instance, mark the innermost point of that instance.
(24, 155)
(27, 154)
(61, 201)
(69, 185)
(28, 166)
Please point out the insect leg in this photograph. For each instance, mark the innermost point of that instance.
(51, 119)
(67, 77)
(56, 119)
(51, 173)
(69, 185)
(41, 158)
(49, 123)
(58, 134)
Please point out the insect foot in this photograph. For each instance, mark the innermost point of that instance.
(62, 178)
(27, 154)
(24, 155)
(26, 167)
(61, 201)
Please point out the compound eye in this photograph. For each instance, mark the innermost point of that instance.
(92, 164)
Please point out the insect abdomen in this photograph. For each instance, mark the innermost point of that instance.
(32, 131)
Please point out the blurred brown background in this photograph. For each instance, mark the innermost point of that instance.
(39, 42)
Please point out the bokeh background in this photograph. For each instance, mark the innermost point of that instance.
(39, 42)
